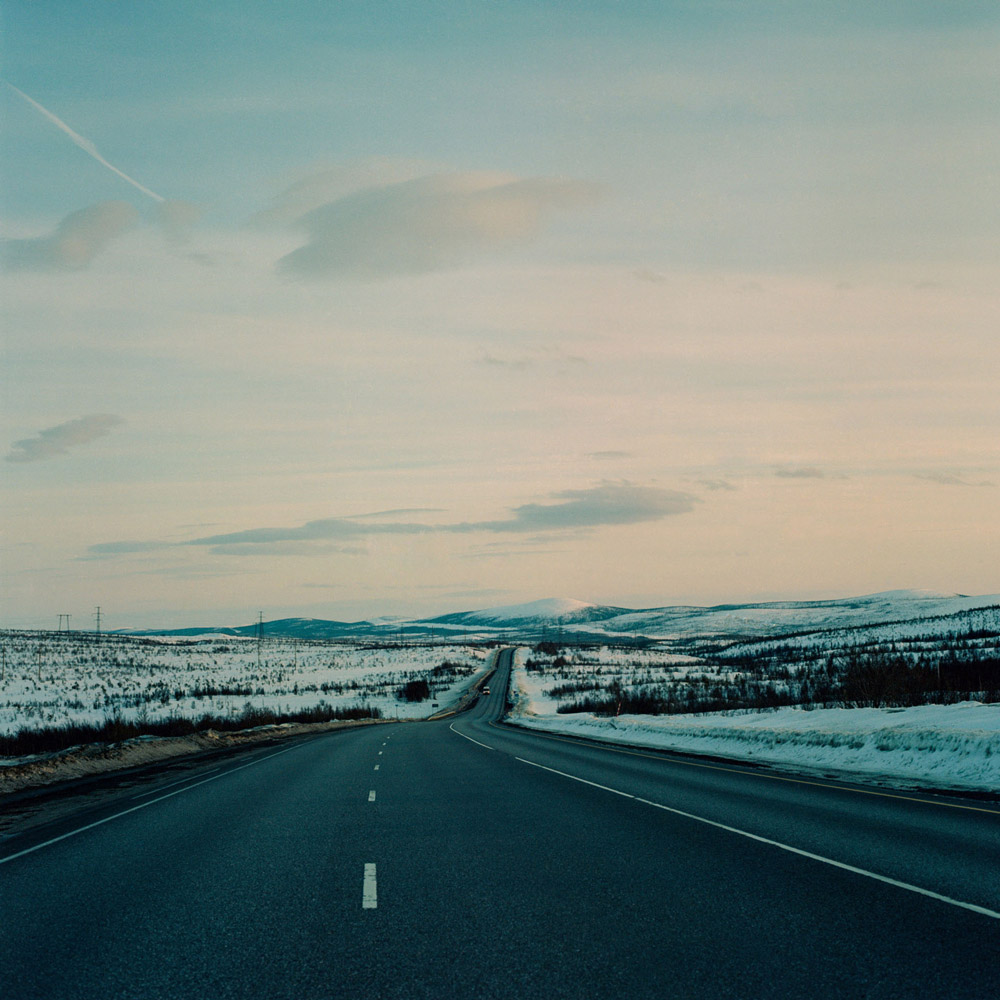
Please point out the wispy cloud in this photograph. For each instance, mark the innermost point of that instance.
(322, 530)
(511, 553)
(428, 223)
(807, 472)
(398, 511)
(948, 479)
(607, 504)
(76, 241)
(127, 547)
(332, 183)
(177, 219)
(58, 440)
(286, 549)
(517, 364)
(552, 358)
(647, 274)
(716, 484)
(574, 510)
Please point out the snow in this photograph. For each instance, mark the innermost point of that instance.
(56, 678)
(910, 595)
(789, 616)
(735, 620)
(551, 608)
(930, 629)
(678, 623)
(928, 746)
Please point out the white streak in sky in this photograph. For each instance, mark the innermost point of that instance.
(85, 144)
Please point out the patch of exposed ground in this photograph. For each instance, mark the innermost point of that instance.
(101, 758)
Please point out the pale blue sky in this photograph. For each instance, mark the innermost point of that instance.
(487, 258)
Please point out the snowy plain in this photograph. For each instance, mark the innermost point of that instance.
(54, 678)
(926, 746)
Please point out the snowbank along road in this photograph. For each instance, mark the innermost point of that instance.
(466, 858)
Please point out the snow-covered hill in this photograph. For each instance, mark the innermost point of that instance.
(795, 616)
(567, 615)
(759, 619)
(551, 611)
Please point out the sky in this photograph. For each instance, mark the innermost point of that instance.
(346, 310)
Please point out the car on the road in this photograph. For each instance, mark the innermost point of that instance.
(486, 690)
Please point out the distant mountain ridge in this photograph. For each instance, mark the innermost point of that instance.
(565, 615)
(553, 610)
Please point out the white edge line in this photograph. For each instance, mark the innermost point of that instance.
(471, 740)
(142, 805)
(369, 889)
(181, 781)
(775, 843)
(371, 795)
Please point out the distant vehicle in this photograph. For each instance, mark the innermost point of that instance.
(486, 690)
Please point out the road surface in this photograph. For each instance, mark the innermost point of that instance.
(462, 858)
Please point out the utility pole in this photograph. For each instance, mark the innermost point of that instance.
(97, 615)
(41, 649)
(67, 618)
(260, 634)
(3, 663)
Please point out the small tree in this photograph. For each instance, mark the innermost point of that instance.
(418, 690)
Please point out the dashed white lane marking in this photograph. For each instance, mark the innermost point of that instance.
(181, 781)
(470, 739)
(369, 891)
(143, 805)
(776, 843)
(371, 795)
(380, 753)
(377, 766)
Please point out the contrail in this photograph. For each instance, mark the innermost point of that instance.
(85, 144)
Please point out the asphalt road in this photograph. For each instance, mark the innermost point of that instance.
(461, 858)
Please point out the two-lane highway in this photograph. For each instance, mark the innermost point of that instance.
(463, 858)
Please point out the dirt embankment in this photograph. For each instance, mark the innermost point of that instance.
(102, 758)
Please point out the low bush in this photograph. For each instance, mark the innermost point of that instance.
(418, 690)
(546, 648)
(573, 687)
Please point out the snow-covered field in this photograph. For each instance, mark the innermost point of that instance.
(930, 631)
(54, 678)
(940, 746)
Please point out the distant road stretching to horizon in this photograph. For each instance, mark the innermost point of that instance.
(465, 858)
